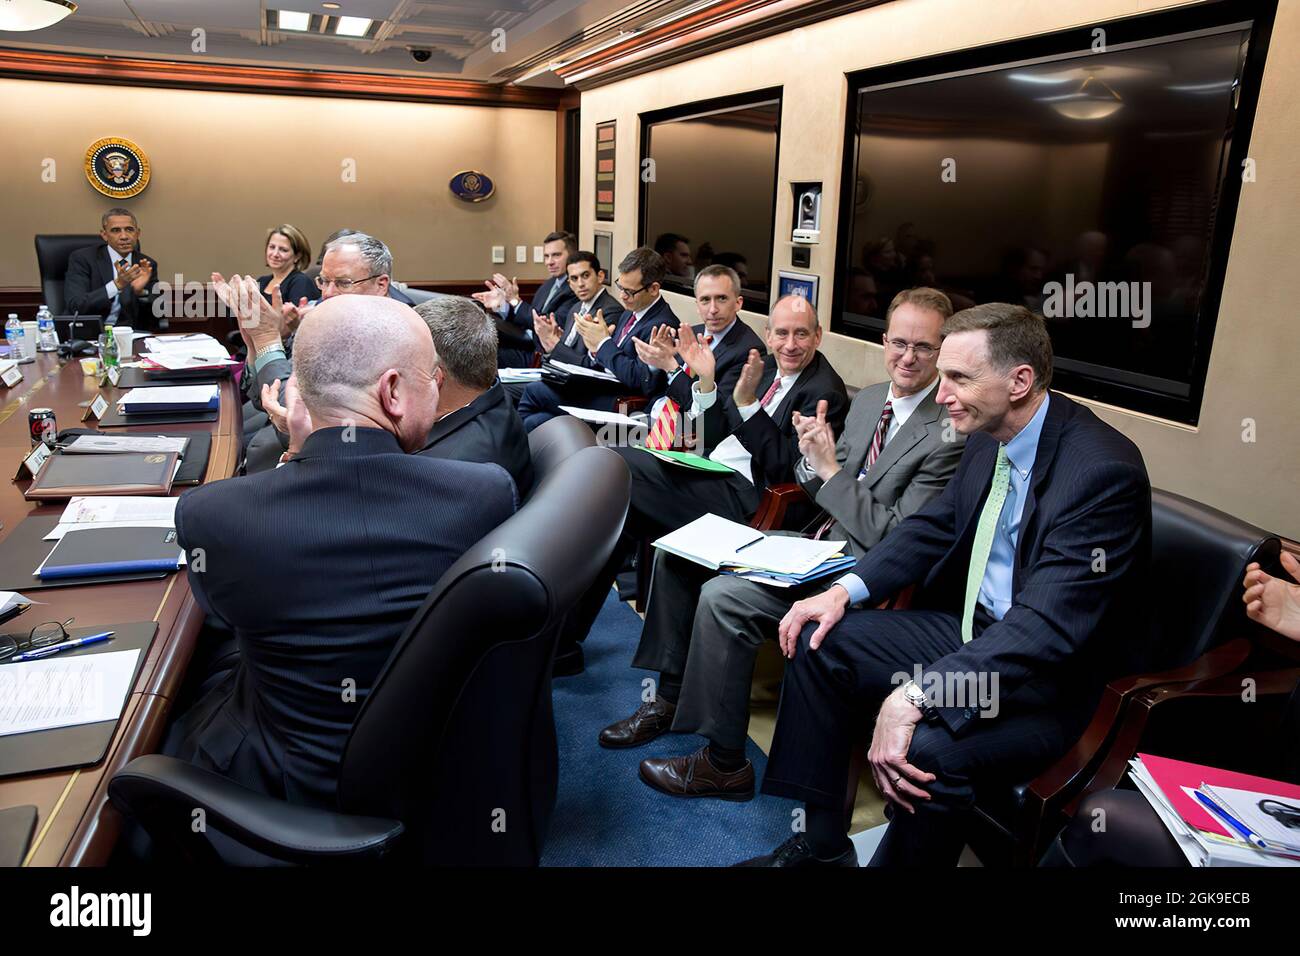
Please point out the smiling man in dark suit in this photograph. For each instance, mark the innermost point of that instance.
(113, 279)
(502, 299)
(557, 334)
(753, 434)
(362, 531)
(476, 421)
(611, 347)
(703, 630)
(1031, 568)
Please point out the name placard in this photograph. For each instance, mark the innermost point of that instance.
(32, 463)
(11, 376)
(111, 376)
(96, 409)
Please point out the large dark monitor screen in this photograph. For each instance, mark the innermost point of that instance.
(708, 193)
(1095, 186)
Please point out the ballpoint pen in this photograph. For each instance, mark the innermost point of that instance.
(57, 648)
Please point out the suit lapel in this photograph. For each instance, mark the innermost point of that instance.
(1049, 440)
(860, 444)
(907, 438)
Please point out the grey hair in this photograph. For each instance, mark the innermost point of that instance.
(464, 338)
(378, 259)
(331, 375)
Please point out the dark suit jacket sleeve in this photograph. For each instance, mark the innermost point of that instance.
(81, 294)
(1062, 598)
(868, 519)
(195, 560)
(773, 455)
(276, 369)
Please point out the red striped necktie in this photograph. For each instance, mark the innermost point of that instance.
(661, 437)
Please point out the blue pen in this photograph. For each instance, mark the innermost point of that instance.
(1246, 833)
(57, 648)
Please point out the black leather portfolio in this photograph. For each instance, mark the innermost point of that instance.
(139, 378)
(97, 552)
(66, 747)
(115, 419)
(24, 548)
(194, 463)
(132, 473)
(17, 824)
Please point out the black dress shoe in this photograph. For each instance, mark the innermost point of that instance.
(695, 776)
(569, 662)
(796, 852)
(648, 721)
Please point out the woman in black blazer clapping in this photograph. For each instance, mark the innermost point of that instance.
(288, 253)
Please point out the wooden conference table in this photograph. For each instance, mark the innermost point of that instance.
(76, 826)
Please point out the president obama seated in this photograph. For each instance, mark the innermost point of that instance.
(1031, 567)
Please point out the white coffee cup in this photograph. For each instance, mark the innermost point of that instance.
(125, 338)
(30, 330)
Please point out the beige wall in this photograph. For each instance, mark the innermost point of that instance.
(1252, 373)
(227, 166)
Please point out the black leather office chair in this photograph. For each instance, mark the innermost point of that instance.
(452, 760)
(1199, 630)
(554, 441)
(52, 253)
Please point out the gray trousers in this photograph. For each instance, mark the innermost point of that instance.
(713, 650)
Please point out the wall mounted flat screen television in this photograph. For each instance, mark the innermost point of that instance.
(1092, 176)
(708, 189)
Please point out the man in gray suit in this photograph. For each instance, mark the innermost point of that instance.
(896, 452)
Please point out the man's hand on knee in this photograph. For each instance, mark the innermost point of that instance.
(897, 780)
(825, 610)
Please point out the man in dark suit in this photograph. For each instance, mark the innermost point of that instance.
(703, 631)
(502, 299)
(362, 531)
(1031, 566)
(475, 420)
(754, 436)
(557, 335)
(611, 347)
(114, 279)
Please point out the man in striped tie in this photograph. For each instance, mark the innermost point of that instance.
(1031, 568)
(703, 631)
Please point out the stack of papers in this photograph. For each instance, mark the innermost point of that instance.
(719, 544)
(122, 444)
(171, 398)
(64, 691)
(115, 511)
(519, 375)
(9, 599)
(596, 417)
(584, 372)
(1215, 816)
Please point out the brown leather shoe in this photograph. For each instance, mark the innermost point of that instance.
(695, 776)
(646, 723)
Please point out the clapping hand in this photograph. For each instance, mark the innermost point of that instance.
(594, 331)
(697, 356)
(1274, 602)
(509, 287)
(143, 272)
(817, 441)
(493, 299)
(746, 390)
(658, 351)
(546, 329)
(276, 412)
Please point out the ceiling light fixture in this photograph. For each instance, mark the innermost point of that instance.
(1087, 103)
(353, 26)
(33, 14)
(330, 6)
(293, 20)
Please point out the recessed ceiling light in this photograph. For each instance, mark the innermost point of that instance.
(293, 20)
(353, 26)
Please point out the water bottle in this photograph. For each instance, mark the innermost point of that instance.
(14, 336)
(47, 339)
(109, 357)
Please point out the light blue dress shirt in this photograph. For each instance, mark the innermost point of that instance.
(995, 591)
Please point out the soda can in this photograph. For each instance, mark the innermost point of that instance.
(43, 426)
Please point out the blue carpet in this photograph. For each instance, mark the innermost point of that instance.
(604, 814)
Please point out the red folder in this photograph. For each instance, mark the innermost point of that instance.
(1172, 775)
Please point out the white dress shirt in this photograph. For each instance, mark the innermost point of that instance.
(730, 451)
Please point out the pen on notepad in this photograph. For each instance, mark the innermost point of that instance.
(1217, 811)
(58, 648)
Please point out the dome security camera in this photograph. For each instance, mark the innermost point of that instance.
(420, 56)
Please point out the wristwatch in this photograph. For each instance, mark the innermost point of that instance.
(913, 694)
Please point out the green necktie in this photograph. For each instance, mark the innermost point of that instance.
(979, 552)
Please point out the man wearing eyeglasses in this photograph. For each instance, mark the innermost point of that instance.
(355, 264)
(610, 345)
(703, 631)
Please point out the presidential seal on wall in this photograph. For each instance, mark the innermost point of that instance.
(472, 186)
(117, 167)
